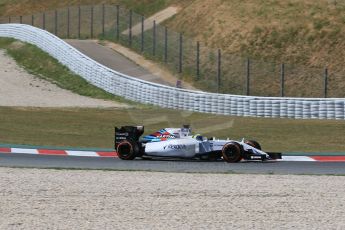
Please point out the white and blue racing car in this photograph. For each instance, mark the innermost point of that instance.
(180, 143)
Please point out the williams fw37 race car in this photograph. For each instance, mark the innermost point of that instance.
(180, 143)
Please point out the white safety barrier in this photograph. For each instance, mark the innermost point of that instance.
(169, 97)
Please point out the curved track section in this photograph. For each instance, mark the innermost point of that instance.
(169, 97)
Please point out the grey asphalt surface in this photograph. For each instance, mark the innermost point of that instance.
(114, 60)
(69, 162)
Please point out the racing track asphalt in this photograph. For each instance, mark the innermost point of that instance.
(114, 60)
(69, 162)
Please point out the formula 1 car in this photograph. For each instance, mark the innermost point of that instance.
(180, 143)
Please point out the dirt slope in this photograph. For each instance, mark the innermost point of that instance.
(306, 32)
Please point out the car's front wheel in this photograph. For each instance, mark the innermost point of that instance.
(232, 152)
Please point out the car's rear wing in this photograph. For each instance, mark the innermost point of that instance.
(129, 133)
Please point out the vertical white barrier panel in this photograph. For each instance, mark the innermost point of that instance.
(233, 108)
(260, 109)
(227, 105)
(190, 106)
(208, 103)
(339, 110)
(268, 108)
(298, 109)
(202, 106)
(246, 107)
(314, 109)
(283, 108)
(275, 108)
(322, 110)
(214, 103)
(183, 101)
(291, 109)
(196, 102)
(306, 110)
(253, 108)
(330, 110)
(240, 107)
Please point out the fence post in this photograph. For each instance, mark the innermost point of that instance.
(32, 20)
(21, 19)
(103, 20)
(130, 28)
(282, 80)
(166, 45)
(44, 21)
(142, 33)
(117, 22)
(180, 53)
(325, 82)
(56, 23)
(154, 39)
(9, 19)
(79, 21)
(68, 22)
(248, 77)
(219, 70)
(197, 60)
(91, 29)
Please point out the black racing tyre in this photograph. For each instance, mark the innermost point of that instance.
(253, 143)
(127, 150)
(232, 152)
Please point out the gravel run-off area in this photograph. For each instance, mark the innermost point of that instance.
(73, 199)
(19, 88)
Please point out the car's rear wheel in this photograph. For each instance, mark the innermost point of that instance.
(127, 150)
(253, 143)
(232, 152)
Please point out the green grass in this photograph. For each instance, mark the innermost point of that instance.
(94, 128)
(40, 64)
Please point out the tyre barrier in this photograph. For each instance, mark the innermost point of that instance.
(169, 97)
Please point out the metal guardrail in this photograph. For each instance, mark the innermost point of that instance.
(175, 98)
